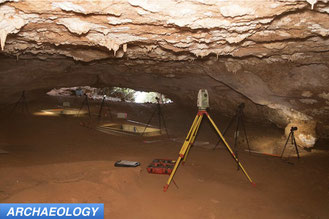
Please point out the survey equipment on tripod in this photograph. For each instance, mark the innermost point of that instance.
(161, 118)
(203, 104)
(241, 106)
(293, 129)
(104, 104)
(291, 136)
(85, 102)
(238, 119)
(203, 99)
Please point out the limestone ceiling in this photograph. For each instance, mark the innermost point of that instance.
(89, 30)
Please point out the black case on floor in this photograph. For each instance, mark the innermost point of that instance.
(126, 163)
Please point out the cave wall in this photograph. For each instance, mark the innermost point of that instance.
(271, 55)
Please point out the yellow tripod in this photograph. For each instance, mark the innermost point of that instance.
(190, 140)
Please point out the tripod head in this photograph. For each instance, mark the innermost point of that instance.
(240, 108)
(293, 128)
(158, 100)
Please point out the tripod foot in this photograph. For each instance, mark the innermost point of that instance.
(165, 188)
(253, 184)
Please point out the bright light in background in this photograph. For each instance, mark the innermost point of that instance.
(149, 97)
(112, 94)
(140, 97)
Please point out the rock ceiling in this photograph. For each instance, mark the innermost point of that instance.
(271, 54)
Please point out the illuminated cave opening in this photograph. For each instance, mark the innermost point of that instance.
(116, 94)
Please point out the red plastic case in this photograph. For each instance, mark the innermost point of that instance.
(161, 166)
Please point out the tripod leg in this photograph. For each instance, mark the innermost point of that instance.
(285, 145)
(25, 107)
(159, 117)
(101, 108)
(245, 132)
(190, 135)
(165, 188)
(226, 129)
(236, 134)
(183, 149)
(198, 124)
(83, 103)
(16, 104)
(88, 107)
(110, 112)
(164, 124)
(148, 123)
(230, 150)
(295, 144)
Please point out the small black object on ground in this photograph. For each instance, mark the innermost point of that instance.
(126, 163)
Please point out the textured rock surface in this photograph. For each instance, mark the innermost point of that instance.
(273, 55)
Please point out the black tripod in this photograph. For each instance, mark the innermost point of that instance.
(293, 141)
(101, 108)
(238, 118)
(160, 116)
(85, 102)
(22, 103)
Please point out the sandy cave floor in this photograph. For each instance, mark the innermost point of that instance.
(55, 159)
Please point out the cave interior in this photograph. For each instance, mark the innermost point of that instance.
(271, 56)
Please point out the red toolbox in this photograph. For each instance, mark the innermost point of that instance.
(161, 166)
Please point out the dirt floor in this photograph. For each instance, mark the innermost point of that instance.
(55, 159)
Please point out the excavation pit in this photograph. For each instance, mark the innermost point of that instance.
(61, 112)
(129, 129)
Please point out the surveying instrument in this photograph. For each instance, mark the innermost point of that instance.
(101, 108)
(293, 141)
(203, 104)
(160, 116)
(239, 123)
(22, 104)
(85, 102)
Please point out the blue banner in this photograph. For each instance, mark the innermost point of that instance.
(73, 211)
